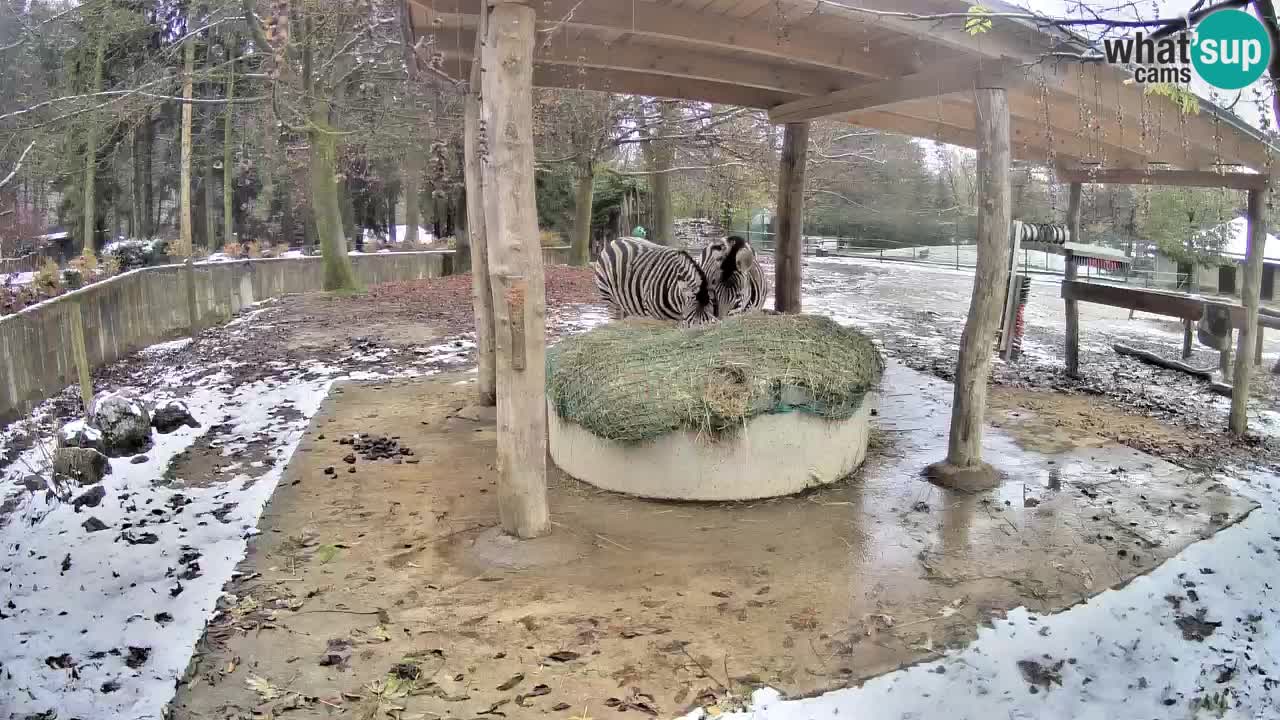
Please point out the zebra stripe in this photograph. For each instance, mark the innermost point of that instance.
(736, 290)
(1047, 233)
(638, 278)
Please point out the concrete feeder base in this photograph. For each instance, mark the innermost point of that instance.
(772, 455)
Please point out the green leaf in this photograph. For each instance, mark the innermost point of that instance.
(977, 22)
(1186, 100)
(325, 553)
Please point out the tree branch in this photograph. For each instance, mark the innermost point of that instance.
(18, 165)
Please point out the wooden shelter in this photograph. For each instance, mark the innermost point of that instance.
(1014, 90)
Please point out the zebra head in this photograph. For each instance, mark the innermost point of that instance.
(727, 263)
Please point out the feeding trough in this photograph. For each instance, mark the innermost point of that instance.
(753, 407)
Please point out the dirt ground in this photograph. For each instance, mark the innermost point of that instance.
(384, 584)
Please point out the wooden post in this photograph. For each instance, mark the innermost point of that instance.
(1186, 337)
(193, 310)
(515, 262)
(787, 263)
(1224, 357)
(963, 467)
(1239, 421)
(1257, 346)
(481, 293)
(81, 355)
(1069, 273)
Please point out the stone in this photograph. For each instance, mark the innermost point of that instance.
(124, 422)
(84, 466)
(971, 479)
(90, 498)
(93, 524)
(78, 434)
(170, 415)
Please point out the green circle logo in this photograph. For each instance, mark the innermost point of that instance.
(1231, 49)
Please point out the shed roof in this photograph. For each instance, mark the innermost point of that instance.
(904, 75)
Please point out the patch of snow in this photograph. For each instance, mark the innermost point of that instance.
(293, 254)
(121, 583)
(166, 347)
(19, 278)
(77, 429)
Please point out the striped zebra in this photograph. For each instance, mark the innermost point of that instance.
(738, 282)
(638, 278)
(1047, 233)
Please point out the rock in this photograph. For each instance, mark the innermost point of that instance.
(171, 415)
(93, 524)
(78, 434)
(91, 498)
(124, 422)
(84, 466)
(138, 459)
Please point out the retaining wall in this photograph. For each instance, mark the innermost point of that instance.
(131, 311)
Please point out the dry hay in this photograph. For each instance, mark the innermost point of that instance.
(635, 380)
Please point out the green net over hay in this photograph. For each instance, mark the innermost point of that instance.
(635, 380)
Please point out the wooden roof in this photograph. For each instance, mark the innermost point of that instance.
(898, 75)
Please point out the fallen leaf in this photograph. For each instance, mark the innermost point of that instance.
(514, 681)
(563, 656)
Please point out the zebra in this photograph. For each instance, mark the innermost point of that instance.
(639, 278)
(1047, 233)
(738, 282)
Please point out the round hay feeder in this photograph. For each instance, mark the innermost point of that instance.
(753, 407)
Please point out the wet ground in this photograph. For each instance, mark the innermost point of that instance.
(255, 384)
(392, 569)
(918, 313)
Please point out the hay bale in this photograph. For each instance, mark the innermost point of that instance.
(635, 380)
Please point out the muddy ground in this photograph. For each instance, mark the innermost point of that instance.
(917, 314)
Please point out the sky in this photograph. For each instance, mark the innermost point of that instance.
(1243, 103)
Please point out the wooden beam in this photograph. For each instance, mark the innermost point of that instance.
(964, 447)
(1173, 178)
(947, 130)
(1257, 215)
(660, 86)
(564, 18)
(1069, 275)
(515, 261)
(590, 53)
(930, 83)
(1131, 298)
(787, 261)
(481, 293)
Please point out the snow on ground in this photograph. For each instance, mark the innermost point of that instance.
(18, 278)
(102, 616)
(105, 597)
(1119, 655)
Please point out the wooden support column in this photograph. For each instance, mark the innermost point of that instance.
(481, 293)
(1239, 421)
(964, 468)
(1069, 273)
(1257, 346)
(789, 242)
(1187, 335)
(515, 265)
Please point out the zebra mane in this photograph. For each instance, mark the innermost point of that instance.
(703, 295)
(731, 277)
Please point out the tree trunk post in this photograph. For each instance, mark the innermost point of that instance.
(481, 293)
(1239, 421)
(1257, 346)
(515, 262)
(963, 467)
(325, 209)
(228, 172)
(1186, 338)
(1069, 274)
(81, 356)
(789, 240)
(185, 241)
(580, 245)
(193, 310)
